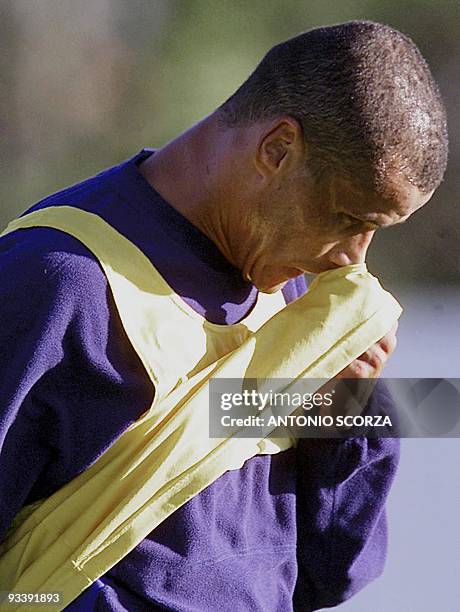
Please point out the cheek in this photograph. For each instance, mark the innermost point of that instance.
(306, 246)
(320, 234)
(320, 224)
(320, 251)
(304, 234)
(325, 233)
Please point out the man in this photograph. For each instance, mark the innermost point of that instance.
(338, 132)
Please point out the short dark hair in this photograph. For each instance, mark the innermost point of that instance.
(364, 96)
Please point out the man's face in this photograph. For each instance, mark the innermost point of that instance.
(308, 227)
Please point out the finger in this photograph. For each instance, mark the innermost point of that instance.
(390, 337)
(388, 343)
(358, 369)
(370, 363)
(376, 356)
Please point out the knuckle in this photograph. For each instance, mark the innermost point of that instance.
(359, 369)
(388, 343)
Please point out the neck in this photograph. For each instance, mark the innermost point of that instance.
(186, 173)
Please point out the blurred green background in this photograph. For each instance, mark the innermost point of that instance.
(87, 83)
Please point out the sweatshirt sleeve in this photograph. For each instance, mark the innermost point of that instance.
(70, 382)
(343, 487)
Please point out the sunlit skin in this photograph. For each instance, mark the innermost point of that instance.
(249, 189)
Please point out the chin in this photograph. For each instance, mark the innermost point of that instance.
(272, 288)
(271, 283)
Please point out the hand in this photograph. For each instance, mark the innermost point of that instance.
(352, 397)
(370, 364)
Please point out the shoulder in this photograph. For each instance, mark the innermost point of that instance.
(39, 257)
(44, 264)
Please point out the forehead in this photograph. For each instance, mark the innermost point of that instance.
(399, 202)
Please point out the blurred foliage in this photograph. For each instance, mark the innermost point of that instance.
(87, 83)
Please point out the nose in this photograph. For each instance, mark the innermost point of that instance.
(352, 250)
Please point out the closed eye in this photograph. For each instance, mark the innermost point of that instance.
(350, 220)
(346, 218)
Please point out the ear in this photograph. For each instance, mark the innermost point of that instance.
(281, 145)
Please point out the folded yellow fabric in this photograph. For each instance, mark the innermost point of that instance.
(67, 541)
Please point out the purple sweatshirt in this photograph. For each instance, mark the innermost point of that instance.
(299, 530)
